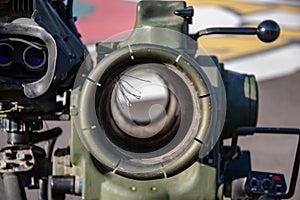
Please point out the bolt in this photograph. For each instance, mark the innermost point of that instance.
(133, 188)
(153, 188)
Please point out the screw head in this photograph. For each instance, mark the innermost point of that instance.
(133, 188)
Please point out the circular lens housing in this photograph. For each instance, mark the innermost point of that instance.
(34, 58)
(145, 111)
(6, 54)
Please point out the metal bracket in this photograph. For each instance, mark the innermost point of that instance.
(15, 159)
(243, 131)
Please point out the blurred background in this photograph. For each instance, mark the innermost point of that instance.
(276, 65)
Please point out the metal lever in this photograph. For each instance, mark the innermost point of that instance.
(267, 31)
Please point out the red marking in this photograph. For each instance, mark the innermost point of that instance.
(276, 179)
(108, 18)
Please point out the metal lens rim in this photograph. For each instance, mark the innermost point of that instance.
(32, 67)
(104, 151)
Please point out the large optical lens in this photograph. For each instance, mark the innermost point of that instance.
(141, 101)
(144, 106)
(6, 54)
(34, 58)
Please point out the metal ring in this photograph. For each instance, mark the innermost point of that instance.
(33, 67)
(170, 159)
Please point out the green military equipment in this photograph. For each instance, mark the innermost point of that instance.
(148, 118)
(117, 149)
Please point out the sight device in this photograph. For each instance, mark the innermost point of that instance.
(148, 118)
(40, 53)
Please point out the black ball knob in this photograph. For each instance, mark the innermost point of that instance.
(268, 31)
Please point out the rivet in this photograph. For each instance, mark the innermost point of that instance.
(133, 188)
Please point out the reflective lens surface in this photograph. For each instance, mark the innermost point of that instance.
(141, 98)
(146, 107)
(34, 58)
(6, 54)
